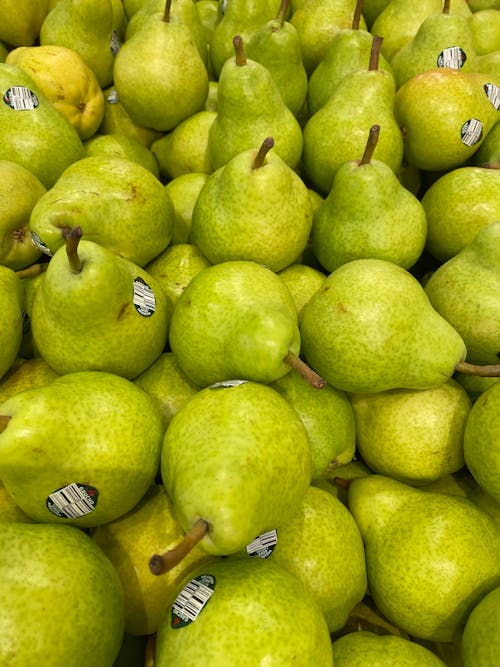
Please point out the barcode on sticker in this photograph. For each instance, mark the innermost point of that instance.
(112, 98)
(115, 43)
(72, 501)
(472, 131)
(191, 601)
(263, 545)
(39, 244)
(453, 57)
(493, 94)
(144, 298)
(21, 98)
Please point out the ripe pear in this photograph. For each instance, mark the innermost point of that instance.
(117, 120)
(303, 281)
(479, 644)
(255, 208)
(9, 510)
(430, 556)
(26, 374)
(252, 612)
(371, 327)
(183, 191)
(48, 571)
(485, 28)
(21, 21)
(415, 436)
(65, 458)
(11, 318)
(367, 648)
(122, 146)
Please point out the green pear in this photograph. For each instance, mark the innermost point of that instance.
(159, 74)
(457, 206)
(317, 22)
(48, 570)
(372, 328)
(184, 150)
(86, 26)
(117, 120)
(66, 456)
(303, 281)
(240, 17)
(367, 648)
(415, 436)
(337, 132)
(209, 14)
(251, 611)
(276, 45)
(21, 21)
(331, 563)
(464, 291)
(183, 191)
(32, 132)
(482, 441)
(9, 510)
(11, 318)
(477, 5)
(148, 527)
(489, 151)
(488, 63)
(328, 418)
(430, 556)
(474, 385)
(368, 213)
(445, 114)
(251, 331)
(443, 40)
(255, 207)
(95, 310)
(479, 645)
(121, 146)
(400, 20)
(485, 28)
(249, 109)
(483, 500)
(175, 268)
(27, 374)
(20, 190)
(349, 51)
(371, 9)
(118, 203)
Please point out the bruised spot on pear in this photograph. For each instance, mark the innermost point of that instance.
(123, 311)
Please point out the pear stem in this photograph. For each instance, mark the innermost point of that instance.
(150, 651)
(370, 144)
(4, 422)
(491, 165)
(486, 371)
(260, 158)
(375, 52)
(304, 370)
(357, 15)
(166, 11)
(31, 271)
(282, 12)
(73, 237)
(239, 51)
(161, 563)
(341, 482)
(446, 7)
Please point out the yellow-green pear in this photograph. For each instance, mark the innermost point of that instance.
(303, 281)
(27, 374)
(367, 648)
(479, 644)
(117, 120)
(122, 146)
(20, 21)
(183, 191)
(485, 28)
(11, 318)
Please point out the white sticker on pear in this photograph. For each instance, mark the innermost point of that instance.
(73, 501)
(112, 98)
(20, 98)
(191, 601)
(38, 243)
(453, 57)
(115, 43)
(225, 384)
(144, 298)
(493, 94)
(263, 545)
(471, 132)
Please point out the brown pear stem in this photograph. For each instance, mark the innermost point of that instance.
(31, 271)
(161, 563)
(341, 482)
(282, 12)
(491, 165)
(150, 651)
(370, 144)
(4, 422)
(486, 371)
(358, 10)
(73, 237)
(375, 52)
(260, 158)
(446, 7)
(239, 51)
(304, 370)
(166, 11)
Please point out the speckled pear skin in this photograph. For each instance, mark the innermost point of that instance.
(430, 556)
(361, 648)
(480, 643)
(61, 602)
(11, 319)
(259, 614)
(239, 458)
(235, 319)
(88, 321)
(371, 328)
(91, 427)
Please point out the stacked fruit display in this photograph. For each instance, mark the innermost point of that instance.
(249, 333)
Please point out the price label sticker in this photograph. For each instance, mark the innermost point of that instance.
(20, 98)
(191, 601)
(453, 57)
(493, 94)
(471, 132)
(263, 545)
(73, 501)
(144, 298)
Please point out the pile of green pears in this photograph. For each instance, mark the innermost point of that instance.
(249, 333)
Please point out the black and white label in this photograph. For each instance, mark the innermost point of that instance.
(263, 545)
(471, 131)
(38, 243)
(453, 57)
(225, 384)
(191, 601)
(144, 298)
(493, 94)
(73, 501)
(20, 98)
(115, 43)
(112, 97)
